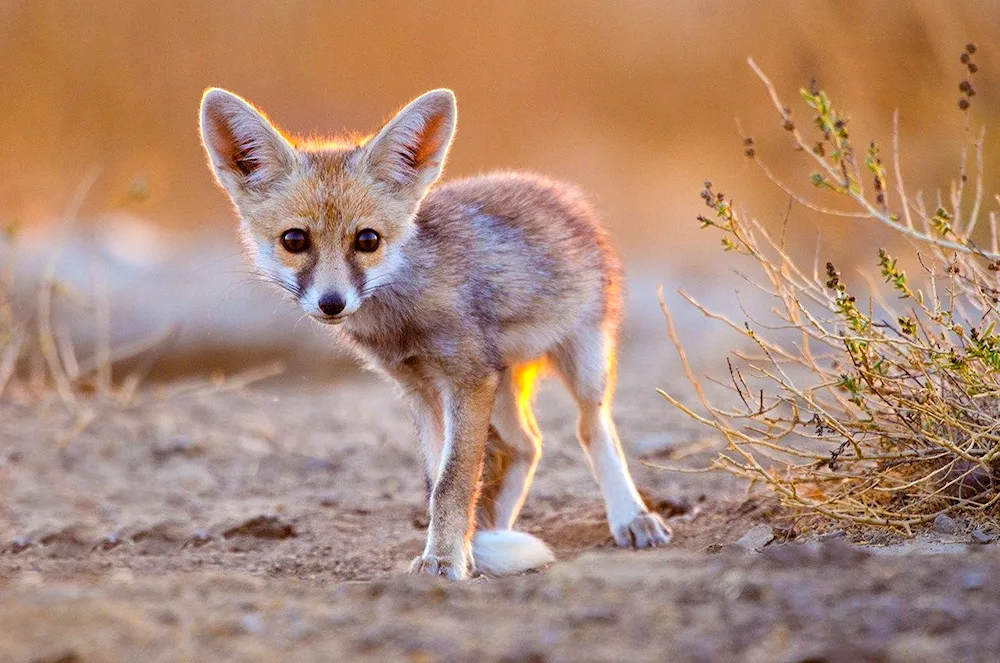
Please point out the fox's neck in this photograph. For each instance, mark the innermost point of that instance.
(391, 324)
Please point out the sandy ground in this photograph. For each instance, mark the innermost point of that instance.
(276, 522)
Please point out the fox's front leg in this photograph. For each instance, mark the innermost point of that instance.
(456, 485)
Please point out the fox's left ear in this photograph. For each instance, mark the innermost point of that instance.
(409, 152)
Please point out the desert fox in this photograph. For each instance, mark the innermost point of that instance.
(461, 293)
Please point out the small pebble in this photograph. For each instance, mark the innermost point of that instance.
(980, 536)
(945, 524)
(756, 538)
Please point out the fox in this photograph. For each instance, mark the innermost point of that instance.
(463, 293)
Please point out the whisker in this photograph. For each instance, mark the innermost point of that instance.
(373, 287)
(293, 288)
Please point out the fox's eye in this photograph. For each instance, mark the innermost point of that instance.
(366, 241)
(295, 240)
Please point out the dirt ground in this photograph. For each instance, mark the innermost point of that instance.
(276, 522)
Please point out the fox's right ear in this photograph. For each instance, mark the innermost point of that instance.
(247, 153)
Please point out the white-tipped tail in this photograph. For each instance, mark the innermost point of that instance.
(505, 552)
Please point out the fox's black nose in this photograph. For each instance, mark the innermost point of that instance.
(332, 303)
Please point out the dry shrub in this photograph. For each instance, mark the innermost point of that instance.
(873, 406)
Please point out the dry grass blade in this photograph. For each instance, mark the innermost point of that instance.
(103, 325)
(235, 382)
(46, 339)
(9, 354)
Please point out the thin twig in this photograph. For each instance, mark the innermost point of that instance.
(46, 342)
(868, 207)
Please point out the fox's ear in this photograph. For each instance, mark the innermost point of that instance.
(409, 152)
(247, 153)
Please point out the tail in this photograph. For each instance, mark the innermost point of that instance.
(505, 552)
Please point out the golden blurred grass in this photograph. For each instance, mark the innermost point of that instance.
(635, 101)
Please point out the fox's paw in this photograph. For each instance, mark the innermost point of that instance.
(647, 530)
(439, 566)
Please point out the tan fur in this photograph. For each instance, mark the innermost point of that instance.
(474, 285)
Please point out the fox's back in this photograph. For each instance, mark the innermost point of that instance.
(525, 256)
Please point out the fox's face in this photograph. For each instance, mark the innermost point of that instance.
(327, 221)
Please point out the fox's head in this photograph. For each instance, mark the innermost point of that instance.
(327, 220)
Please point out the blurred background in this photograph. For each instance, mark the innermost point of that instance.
(634, 101)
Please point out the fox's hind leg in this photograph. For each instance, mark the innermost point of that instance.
(586, 363)
(495, 465)
(513, 450)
